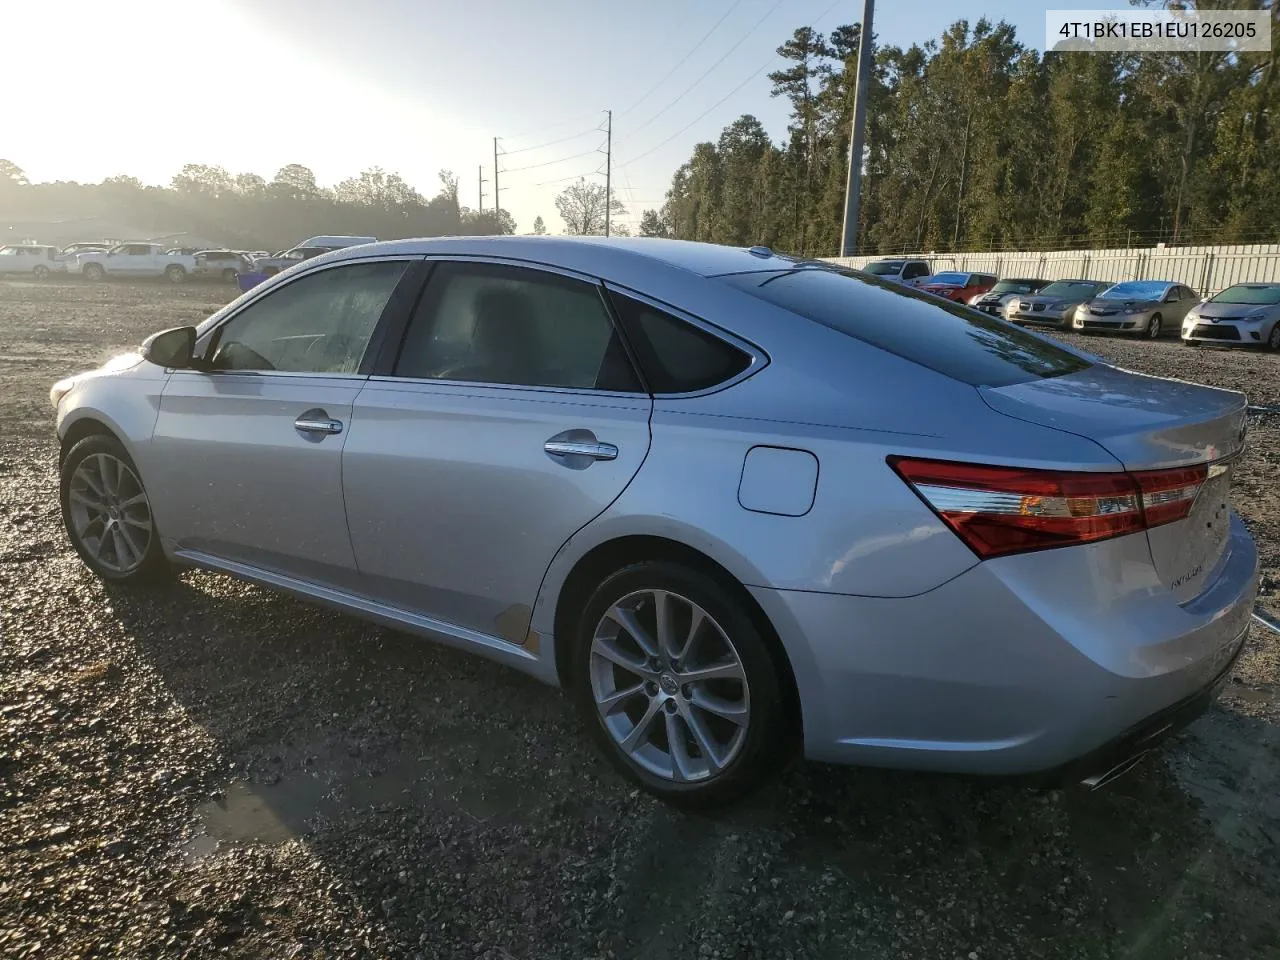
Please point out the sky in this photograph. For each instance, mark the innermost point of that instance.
(416, 86)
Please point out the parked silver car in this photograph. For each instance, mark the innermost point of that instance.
(731, 501)
(1054, 305)
(1247, 314)
(1149, 308)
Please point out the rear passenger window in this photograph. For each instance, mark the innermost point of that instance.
(491, 323)
(675, 356)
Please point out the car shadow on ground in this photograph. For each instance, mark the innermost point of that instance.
(384, 753)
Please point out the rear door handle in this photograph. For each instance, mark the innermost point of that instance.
(578, 448)
(313, 424)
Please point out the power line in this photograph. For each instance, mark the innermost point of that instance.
(707, 72)
(768, 63)
(549, 163)
(552, 143)
(576, 176)
(555, 126)
(683, 60)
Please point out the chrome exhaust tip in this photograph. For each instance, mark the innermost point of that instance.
(1100, 780)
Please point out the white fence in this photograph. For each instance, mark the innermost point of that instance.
(1204, 269)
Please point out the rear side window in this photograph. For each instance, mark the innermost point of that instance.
(956, 341)
(675, 356)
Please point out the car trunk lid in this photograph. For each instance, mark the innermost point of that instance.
(1150, 423)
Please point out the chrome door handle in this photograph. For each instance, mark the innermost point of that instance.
(578, 448)
(317, 425)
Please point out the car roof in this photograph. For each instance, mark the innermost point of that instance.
(589, 254)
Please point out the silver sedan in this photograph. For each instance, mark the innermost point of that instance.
(1247, 314)
(734, 503)
(1148, 308)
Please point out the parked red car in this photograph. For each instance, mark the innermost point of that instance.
(957, 286)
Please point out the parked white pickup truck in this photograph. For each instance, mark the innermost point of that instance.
(132, 260)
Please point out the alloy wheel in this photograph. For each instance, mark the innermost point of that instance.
(669, 686)
(110, 514)
(1153, 327)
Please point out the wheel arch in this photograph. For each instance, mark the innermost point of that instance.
(608, 556)
(87, 426)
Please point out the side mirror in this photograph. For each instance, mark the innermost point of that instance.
(171, 348)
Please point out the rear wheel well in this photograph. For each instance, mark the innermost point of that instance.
(607, 558)
(87, 427)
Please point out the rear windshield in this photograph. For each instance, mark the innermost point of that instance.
(1255, 294)
(885, 269)
(954, 340)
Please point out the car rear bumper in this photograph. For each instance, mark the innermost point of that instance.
(1020, 665)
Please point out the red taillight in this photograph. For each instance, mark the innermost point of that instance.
(1003, 510)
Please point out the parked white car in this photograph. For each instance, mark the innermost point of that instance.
(132, 260)
(35, 260)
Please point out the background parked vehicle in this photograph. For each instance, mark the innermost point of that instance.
(956, 285)
(1055, 303)
(132, 260)
(36, 260)
(71, 249)
(994, 300)
(1148, 308)
(909, 272)
(1247, 314)
(223, 264)
(311, 247)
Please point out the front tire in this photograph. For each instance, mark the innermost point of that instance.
(1273, 338)
(94, 273)
(41, 272)
(107, 514)
(229, 275)
(174, 273)
(1154, 326)
(678, 686)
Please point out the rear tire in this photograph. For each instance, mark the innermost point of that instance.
(690, 740)
(229, 275)
(107, 514)
(41, 272)
(174, 273)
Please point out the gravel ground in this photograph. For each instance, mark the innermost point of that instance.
(209, 769)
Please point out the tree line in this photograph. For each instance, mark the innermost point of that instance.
(976, 142)
(246, 211)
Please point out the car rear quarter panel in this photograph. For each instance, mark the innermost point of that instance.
(848, 404)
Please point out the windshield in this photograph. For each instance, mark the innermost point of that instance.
(1255, 294)
(886, 268)
(1069, 288)
(958, 342)
(954, 279)
(1013, 286)
(1136, 290)
(8, 251)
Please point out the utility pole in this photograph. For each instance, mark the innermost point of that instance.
(497, 204)
(853, 185)
(480, 185)
(608, 170)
